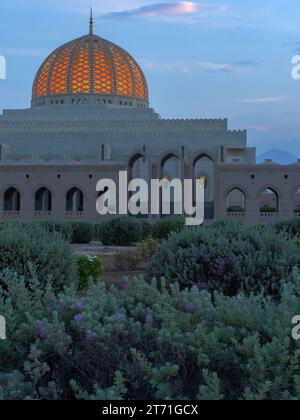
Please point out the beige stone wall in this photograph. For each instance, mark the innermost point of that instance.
(253, 181)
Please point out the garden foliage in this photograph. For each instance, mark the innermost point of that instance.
(120, 231)
(228, 257)
(144, 343)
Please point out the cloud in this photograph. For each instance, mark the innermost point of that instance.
(164, 10)
(246, 63)
(265, 100)
(189, 67)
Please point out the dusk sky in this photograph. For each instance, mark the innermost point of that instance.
(216, 59)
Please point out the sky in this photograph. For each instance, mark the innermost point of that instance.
(212, 59)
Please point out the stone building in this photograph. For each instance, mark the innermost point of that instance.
(90, 118)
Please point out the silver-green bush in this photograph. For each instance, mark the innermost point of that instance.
(27, 248)
(228, 257)
(146, 343)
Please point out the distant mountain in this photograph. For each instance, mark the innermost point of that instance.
(278, 156)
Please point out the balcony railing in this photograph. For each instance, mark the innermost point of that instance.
(42, 214)
(236, 214)
(11, 214)
(74, 214)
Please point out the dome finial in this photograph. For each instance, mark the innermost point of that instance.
(91, 23)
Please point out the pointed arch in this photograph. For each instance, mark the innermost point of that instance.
(203, 166)
(74, 200)
(43, 200)
(12, 199)
(268, 198)
(236, 200)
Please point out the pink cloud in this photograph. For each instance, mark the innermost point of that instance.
(161, 10)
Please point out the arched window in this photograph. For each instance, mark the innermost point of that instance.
(139, 167)
(43, 200)
(203, 167)
(171, 168)
(236, 201)
(12, 200)
(269, 202)
(74, 200)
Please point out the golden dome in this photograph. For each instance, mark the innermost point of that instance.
(93, 66)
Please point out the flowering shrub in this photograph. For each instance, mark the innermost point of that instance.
(89, 269)
(146, 343)
(27, 248)
(165, 226)
(120, 231)
(228, 257)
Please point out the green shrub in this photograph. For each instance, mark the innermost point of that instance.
(146, 229)
(62, 228)
(147, 248)
(143, 343)
(82, 232)
(228, 257)
(267, 209)
(291, 226)
(89, 268)
(119, 231)
(26, 248)
(165, 226)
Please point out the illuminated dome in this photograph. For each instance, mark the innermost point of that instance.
(90, 70)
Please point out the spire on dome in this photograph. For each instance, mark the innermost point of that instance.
(91, 23)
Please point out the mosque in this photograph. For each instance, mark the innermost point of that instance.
(90, 118)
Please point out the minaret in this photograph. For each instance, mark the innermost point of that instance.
(91, 23)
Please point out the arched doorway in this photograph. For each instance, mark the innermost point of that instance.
(43, 200)
(203, 168)
(171, 169)
(268, 202)
(74, 200)
(12, 200)
(236, 201)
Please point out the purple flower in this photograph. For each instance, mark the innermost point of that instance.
(119, 317)
(149, 319)
(39, 325)
(125, 285)
(80, 307)
(78, 318)
(189, 307)
(88, 335)
(42, 334)
(62, 304)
